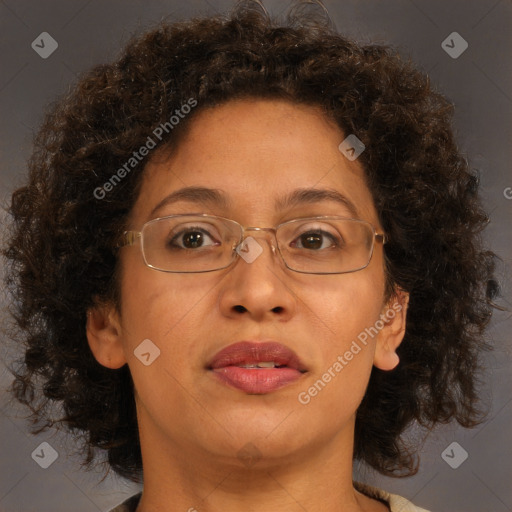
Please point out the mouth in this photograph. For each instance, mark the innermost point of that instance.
(257, 367)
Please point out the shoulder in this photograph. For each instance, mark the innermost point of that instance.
(396, 503)
(130, 505)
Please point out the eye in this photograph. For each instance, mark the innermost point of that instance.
(315, 239)
(193, 237)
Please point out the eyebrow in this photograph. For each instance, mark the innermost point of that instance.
(216, 197)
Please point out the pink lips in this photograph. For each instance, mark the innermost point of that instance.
(228, 365)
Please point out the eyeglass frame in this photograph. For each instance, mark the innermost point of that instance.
(130, 237)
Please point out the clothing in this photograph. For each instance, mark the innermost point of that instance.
(396, 503)
(130, 505)
(393, 501)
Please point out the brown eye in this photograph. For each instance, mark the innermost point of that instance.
(315, 240)
(191, 238)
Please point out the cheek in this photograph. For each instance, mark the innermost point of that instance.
(348, 309)
(344, 305)
(160, 306)
(176, 312)
(165, 310)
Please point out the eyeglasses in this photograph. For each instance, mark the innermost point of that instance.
(204, 243)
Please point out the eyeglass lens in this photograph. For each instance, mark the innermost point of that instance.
(203, 243)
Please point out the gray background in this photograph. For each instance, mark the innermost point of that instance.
(479, 82)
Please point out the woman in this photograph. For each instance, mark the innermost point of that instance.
(246, 256)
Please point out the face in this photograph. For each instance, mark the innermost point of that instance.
(255, 152)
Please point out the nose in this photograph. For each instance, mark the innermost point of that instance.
(255, 284)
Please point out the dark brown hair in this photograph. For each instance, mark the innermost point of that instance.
(60, 249)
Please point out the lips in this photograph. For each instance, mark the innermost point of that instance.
(257, 367)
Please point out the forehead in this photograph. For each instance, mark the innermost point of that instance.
(257, 154)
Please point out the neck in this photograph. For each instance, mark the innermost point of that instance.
(179, 477)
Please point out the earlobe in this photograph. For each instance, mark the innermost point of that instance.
(104, 336)
(393, 331)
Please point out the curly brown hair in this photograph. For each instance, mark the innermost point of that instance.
(60, 251)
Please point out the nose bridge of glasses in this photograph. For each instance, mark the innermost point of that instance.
(266, 231)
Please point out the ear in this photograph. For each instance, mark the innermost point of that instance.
(104, 336)
(392, 333)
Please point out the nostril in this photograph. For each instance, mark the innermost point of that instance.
(277, 309)
(239, 309)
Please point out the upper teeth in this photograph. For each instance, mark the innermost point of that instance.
(266, 364)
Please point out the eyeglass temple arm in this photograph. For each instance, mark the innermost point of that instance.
(381, 237)
(128, 238)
